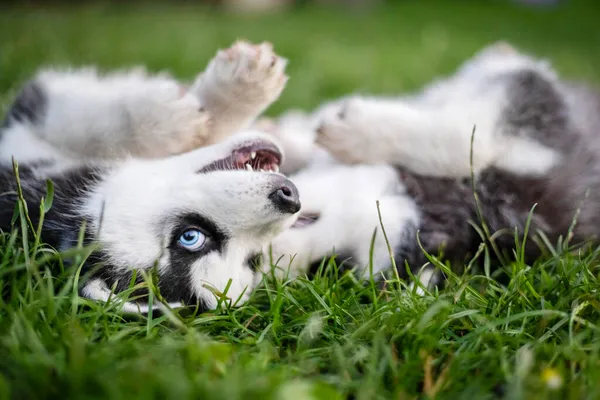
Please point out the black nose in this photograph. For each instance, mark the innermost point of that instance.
(286, 198)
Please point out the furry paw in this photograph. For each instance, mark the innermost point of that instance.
(245, 75)
(345, 131)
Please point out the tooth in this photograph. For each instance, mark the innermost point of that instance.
(249, 167)
(252, 155)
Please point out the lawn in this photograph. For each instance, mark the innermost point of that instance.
(533, 334)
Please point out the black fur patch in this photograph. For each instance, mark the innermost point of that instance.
(29, 106)
(408, 250)
(175, 283)
(254, 261)
(60, 229)
(537, 109)
(448, 207)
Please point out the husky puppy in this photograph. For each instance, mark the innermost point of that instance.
(121, 150)
(536, 142)
(113, 146)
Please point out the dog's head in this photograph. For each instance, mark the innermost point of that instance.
(200, 218)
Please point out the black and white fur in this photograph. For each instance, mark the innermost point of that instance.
(121, 149)
(537, 141)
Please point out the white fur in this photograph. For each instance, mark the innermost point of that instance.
(430, 133)
(345, 197)
(21, 143)
(112, 115)
(427, 279)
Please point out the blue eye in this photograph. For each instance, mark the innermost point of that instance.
(192, 240)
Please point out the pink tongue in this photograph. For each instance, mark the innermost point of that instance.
(241, 158)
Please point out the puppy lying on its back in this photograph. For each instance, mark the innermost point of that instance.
(537, 141)
(202, 218)
(111, 146)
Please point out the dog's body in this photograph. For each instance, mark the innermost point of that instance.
(536, 142)
(111, 144)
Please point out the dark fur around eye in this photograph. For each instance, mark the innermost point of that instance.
(175, 282)
(191, 220)
(215, 238)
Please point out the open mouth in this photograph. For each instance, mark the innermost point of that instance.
(259, 156)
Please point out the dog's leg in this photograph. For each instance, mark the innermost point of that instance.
(432, 136)
(432, 142)
(238, 85)
(84, 114)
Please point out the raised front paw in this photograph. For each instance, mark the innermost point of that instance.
(246, 75)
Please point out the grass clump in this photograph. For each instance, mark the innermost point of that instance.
(333, 336)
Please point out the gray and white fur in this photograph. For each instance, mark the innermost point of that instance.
(536, 142)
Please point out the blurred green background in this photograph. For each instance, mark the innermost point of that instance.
(387, 48)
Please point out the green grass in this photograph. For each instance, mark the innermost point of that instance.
(332, 336)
